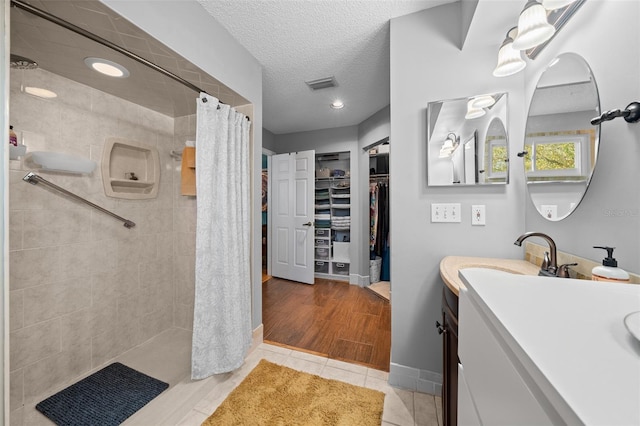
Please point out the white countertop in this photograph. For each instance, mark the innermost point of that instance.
(573, 336)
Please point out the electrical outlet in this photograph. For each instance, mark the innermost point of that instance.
(550, 211)
(445, 212)
(478, 215)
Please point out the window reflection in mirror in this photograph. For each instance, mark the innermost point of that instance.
(496, 152)
(467, 141)
(560, 143)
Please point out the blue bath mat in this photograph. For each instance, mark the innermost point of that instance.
(107, 397)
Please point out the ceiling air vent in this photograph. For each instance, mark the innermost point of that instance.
(322, 83)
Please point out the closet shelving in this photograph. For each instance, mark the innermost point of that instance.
(333, 219)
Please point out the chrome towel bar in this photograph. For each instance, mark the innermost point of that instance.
(34, 179)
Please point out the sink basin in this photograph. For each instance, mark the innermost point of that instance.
(451, 265)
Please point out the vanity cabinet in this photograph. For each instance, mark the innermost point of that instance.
(457, 404)
(495, 387)
(449, 331)
(546, 351)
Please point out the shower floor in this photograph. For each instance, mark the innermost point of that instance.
(187, 402)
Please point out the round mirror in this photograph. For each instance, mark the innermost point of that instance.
(560, 144)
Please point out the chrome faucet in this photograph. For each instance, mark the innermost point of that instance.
(549, 268)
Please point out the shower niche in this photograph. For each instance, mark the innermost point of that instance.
(130, 169)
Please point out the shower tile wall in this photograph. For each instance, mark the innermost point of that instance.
(84, 288)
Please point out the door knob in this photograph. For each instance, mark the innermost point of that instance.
(308, 224)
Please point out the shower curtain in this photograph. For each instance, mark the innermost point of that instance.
(222, 311)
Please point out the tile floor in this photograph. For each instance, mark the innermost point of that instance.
(188, 403)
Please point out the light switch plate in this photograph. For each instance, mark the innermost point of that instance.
(445, 212)
(478, 215)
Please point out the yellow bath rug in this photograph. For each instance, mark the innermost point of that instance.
(275, 395)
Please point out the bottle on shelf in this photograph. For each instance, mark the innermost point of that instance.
(13, 138)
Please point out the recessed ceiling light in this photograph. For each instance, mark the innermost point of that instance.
(40, 92)
(106, 67)
(337, 104)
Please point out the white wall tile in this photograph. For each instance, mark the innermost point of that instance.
(84, 287)
(31, 344)
(50, 301)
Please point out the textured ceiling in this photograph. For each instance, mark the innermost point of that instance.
(300, 40)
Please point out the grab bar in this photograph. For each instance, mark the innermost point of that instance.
(34, 179)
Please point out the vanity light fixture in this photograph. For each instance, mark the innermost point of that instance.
(509, 59)
(106, 67)
(450, 144)
(337, 104)
(483, 101)
(533, 27)
(556, 4)
(473, 111)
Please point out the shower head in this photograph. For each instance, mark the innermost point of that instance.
(22, 63)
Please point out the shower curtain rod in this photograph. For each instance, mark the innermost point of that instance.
(61, 22)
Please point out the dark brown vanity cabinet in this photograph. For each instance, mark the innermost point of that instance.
(449, 331)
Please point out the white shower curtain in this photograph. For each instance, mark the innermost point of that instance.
(222, 311)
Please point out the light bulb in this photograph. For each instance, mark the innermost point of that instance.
(509, 60)
(533, 28)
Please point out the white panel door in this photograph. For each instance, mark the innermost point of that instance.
(292, 187)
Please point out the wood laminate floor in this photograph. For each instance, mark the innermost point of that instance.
(330, 318)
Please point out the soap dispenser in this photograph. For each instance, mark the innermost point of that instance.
(609, 270)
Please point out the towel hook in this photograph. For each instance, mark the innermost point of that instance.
(631, 114)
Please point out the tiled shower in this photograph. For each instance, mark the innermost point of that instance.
(83, 288)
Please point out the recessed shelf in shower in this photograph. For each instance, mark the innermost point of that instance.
(130, 169)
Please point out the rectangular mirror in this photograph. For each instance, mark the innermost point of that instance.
(467, 141)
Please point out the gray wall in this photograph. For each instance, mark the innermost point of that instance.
(609, 213)
(440, 71)
(268, 140)
(187, 28)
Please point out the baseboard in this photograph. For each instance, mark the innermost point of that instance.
(333, 277)
(359, 280)
(257, 337)
(414, 379)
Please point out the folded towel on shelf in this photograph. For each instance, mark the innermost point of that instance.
(323, 216)
(341, 218)
(188, 172)
(340, 195)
